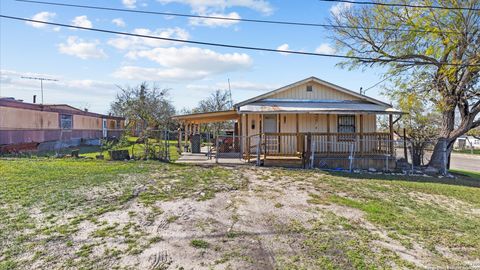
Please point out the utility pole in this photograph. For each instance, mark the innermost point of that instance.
(230, 93)
(41, 82)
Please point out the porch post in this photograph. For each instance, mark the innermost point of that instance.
(297, 131)
(361, 134)
(247, 127)
(240, 134)
(390, 124)
(279, 123)
(329, 145)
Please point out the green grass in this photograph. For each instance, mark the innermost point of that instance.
(198, 243)
(475, 151)
(471, 174)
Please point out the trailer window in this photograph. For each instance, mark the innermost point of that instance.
(66, 121)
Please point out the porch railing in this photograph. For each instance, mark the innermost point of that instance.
(320, 144)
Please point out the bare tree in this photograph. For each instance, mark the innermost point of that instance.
(436, 48)
(144, 106)
(217, 101)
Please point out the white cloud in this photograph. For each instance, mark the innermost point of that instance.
(337, 9)
(235, 85)
(81, 49)
(284, 47)
(133, 43)
(202, 6)
(325, 48)
(82, 21)
(129, 3)
(42, 16)
(216, 22)
(183, 64)
(119, 22)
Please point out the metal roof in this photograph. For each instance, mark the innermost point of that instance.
(319, 81)
(207, 117)
(316, 107)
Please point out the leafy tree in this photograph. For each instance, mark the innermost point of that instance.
(217, 101)
(144, 107)
(420, 123)
(435, 48)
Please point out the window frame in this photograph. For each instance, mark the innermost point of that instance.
(61, 120)
(341, 125)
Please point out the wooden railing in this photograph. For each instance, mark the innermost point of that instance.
(323, 144)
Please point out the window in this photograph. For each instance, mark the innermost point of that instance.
(346, 124)
(66, 121)
(309, 88)
(253, 123)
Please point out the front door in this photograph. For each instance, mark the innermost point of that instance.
(270, 126)
(270, 123)
(104, 128)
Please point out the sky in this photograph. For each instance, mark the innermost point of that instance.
(89, 66)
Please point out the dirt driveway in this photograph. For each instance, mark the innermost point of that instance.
(240, 217)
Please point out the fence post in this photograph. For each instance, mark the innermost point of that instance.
(312, 155)
(445, 171)
(258, 154)
(411, 153)
(265, 147)
(352, 145)
(167, 146)
(248, 149)
(216, 149)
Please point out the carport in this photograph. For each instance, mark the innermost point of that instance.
(191, 126)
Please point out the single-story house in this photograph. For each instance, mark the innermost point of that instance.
(22, 123)
(309, 118)
(467, 142)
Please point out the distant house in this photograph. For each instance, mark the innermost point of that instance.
(467, 142)
(22, 123)
(308, 117)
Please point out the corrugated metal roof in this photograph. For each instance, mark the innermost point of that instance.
(316, 107)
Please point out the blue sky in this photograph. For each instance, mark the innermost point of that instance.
(88, 65)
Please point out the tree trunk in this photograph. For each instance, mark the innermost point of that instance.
(442, 148)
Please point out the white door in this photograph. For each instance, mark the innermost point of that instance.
(270, 126)
(104, 127)
(270, 123)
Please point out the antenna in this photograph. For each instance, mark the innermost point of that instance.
(41, 82)
(230, 93)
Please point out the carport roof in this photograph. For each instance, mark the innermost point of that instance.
(208, 117)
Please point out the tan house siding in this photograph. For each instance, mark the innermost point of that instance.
(319, 92)
(16, 118)
(86, 122)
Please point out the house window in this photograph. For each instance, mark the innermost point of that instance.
(119, 124)
(346, 124)
(66, 121)
(253, 123)
(309, 88)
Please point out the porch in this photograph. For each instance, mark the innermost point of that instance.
(327, 150)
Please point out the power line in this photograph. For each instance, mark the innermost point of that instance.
(363, 91)
(293, 23)
(235, 46)
(401, 5)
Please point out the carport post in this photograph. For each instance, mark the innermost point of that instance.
(216, 149)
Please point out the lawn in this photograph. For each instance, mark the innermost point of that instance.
(135, 150)
(474, 152)
(96, 214)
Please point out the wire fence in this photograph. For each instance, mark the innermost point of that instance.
(374, 152)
